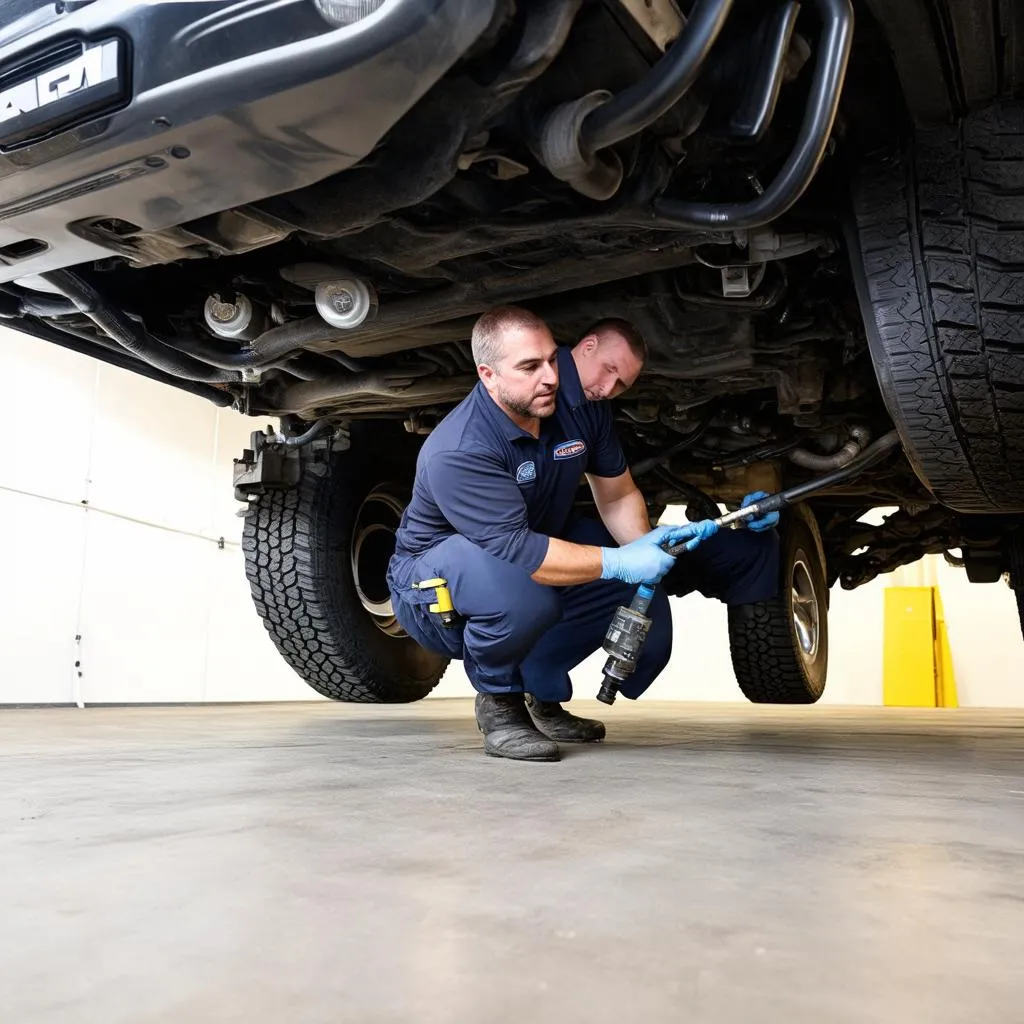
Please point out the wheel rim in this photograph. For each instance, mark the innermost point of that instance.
(805, 611)
(373, 543)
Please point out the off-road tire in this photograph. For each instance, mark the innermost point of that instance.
(766, 657)
(297, 546)
(940, 233)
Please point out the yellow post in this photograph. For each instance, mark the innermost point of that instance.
(908, 662)
(917, 664)
(945, 681)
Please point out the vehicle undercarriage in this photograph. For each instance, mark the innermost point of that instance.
(715, 172)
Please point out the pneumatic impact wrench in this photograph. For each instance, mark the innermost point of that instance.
(629, 626)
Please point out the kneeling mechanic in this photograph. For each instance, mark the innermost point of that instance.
(533, 585)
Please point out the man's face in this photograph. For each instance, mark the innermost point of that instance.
(606, 366)
(525, 380)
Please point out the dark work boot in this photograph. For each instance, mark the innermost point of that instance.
(558, 724)
(508, 730)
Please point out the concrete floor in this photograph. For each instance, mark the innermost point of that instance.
(329, 863)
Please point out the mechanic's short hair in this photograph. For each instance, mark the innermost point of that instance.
(488, 337)
(625, 330)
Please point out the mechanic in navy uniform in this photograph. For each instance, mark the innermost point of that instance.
(534, 586)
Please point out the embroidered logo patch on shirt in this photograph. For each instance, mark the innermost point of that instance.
(526, 472)
(570, 449)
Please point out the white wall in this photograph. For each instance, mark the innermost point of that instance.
(114, 496)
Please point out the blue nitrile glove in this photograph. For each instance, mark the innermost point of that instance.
(645, 560)
(691, 533)
(765, 522)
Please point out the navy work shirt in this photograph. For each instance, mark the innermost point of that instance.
(480, 475)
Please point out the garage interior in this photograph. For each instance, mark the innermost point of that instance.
(234, 847)
(127, 583)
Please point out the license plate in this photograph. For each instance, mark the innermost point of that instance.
(51, 94)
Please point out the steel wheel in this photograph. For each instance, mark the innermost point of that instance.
(806, 612)
(373, 543)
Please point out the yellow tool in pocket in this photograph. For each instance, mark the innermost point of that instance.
(443, 600)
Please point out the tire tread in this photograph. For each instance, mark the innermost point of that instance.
(954, 234)
(768, 666)
(286, 541)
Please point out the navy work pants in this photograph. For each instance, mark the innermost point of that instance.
(517, 634)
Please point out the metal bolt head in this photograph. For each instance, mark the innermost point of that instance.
(228, 319)
(343, 301)
(222, 312)
(346, 302)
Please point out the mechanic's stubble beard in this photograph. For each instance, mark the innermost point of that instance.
(537, 407)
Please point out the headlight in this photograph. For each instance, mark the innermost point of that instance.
(346, 12)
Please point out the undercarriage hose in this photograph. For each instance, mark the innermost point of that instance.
(38, 303)
(859, 437)
(100, 346)
(572, 136)
(670, 79)
(132, 337)
(318, 429)
(259, 356)
(871, 455)
(792, 181)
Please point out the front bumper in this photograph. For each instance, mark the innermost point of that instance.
(199, 115)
